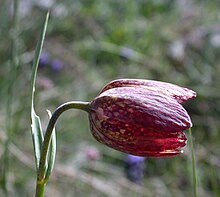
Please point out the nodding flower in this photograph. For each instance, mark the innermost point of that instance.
(141, 117)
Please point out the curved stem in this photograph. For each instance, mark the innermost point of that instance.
(47, 137)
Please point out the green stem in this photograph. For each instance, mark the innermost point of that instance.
(41, 182)
(193, 164)
(40, 187)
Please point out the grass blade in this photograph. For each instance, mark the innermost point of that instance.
(193, 164)
(37, 133)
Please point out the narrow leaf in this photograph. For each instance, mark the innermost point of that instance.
(37, 133)
(52, 152)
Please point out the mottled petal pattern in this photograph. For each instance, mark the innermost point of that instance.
(139, 120)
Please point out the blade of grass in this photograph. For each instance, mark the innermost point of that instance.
(37, 136)
(37, 133)
(193, 164)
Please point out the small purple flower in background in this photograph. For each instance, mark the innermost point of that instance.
(47, 60)
(45, 83)
(134, 168)
(44, 58)
(127, 52)
(92, 154)
(56, 65)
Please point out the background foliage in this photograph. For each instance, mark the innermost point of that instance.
(89, 43)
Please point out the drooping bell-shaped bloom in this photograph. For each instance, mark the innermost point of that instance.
(141, 117)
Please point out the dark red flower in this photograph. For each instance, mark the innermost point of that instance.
(141, 117)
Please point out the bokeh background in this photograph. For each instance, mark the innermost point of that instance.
(88, 44)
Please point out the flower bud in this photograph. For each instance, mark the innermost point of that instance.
(140, 119)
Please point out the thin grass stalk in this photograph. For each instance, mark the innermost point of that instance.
(193, 164)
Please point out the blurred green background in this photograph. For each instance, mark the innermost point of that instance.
(88, 44)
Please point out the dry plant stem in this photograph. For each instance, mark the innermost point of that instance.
(41, 182)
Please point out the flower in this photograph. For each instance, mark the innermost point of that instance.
(131, 159)
(141, 117)
(92, 154)
(56, 65)
(44, 58)
(134, 168)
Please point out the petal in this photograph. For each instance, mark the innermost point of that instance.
(165, 153)
(141, 107)
(147, 147)
(180, 94)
